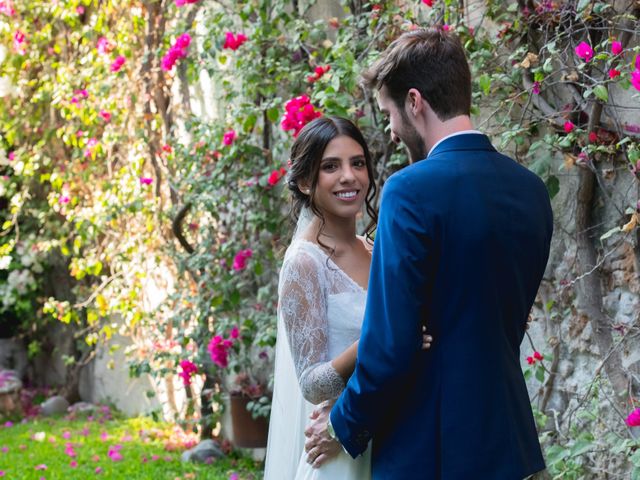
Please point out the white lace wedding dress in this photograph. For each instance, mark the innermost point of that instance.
(320, 314)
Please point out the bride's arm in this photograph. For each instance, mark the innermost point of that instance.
(303, 309)
(346, 361)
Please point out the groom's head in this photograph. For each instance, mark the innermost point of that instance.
(422, 75)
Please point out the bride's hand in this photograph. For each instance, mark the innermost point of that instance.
(426, 339)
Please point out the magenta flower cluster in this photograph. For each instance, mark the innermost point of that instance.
(233, 42)
(187, 370)
(240, 260)
(219, 347)
(298, 112)
(178, 50)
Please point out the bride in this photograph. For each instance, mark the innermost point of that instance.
(322, 293)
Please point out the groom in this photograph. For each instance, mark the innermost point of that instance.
(462, 243)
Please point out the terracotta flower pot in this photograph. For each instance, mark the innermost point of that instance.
(248, 432)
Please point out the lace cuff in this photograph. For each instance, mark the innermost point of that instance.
(321, 382)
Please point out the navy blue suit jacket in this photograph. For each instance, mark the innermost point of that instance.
(462, 244)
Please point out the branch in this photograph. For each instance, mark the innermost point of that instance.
(176, 228)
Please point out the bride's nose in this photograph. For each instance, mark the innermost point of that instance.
(347, 175)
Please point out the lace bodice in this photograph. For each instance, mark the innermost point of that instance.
(322, 309)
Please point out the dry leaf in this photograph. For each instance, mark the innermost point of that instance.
(530, 60)
(569, 161)
(632, 223)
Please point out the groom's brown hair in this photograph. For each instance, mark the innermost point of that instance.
(432, 61)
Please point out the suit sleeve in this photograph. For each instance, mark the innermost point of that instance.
(403, 257)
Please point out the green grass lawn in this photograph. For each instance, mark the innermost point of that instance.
(129, 449)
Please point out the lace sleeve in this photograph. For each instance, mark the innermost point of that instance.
(303, 307)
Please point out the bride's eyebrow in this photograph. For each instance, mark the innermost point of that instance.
(337, 159)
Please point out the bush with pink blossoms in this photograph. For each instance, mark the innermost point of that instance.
(117, 64)
(234, 41)
(177, 51)
(298, 112)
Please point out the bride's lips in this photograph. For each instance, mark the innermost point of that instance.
(347, 195)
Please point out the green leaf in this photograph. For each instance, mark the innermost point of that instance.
(580, 447)
(273, 114)
(610, 232)
(601, 92)
(540, 373)
(553, 186)
(485, 83)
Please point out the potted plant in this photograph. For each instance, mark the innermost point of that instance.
(243, 356)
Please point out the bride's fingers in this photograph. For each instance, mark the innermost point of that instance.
(320, 460)
(314, 414)
(426, 341)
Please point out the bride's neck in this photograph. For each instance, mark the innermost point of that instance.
(339, 234)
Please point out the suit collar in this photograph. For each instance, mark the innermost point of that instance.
(463, 141)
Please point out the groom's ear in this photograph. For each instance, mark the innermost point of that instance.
(415, 102)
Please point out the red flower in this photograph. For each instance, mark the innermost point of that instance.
(229, 137)
(593, 137)
(106, 116)
(428, 3)
(233, 42)
(187, 370)
(318, 73)
(538, 356)
(298, 112)
(633, 420)
(568, 126)
(531, 360)
(167, 148)
(613, 73)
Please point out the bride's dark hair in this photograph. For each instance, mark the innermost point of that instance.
(306, 154)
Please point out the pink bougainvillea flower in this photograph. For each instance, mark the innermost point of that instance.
(234, 42)
(5, 449)
(11, 157)
(219, 352)
(234, 332)
(593, 137)
(91, 145)
(616, 48)
(584, 51)
(538, 356)
(106, 116)
(187, 370)
(635, 79)
(536, 88)
(298, 112)
(240, 260)
(531, 360)
(275, 176)
(155, 457)
(73, 464)
(117, 64)
(66, 434)
(613, 73)
(64, 199)
(568, 127)
(104, 436)
(229, 137)
(79, 9)
(104, 46)
(633, 420)
(2, 473)
(20, 42)
(446, 27)
(180, 3)
(9, 424)
(177, 51)
(146, 180)
(6, 8)
(82, 93)
(234, 476)
(98, 470)
(428, 3)
(41, 466)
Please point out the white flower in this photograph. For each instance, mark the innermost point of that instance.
(4, 262)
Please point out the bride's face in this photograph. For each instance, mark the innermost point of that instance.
(343, 180)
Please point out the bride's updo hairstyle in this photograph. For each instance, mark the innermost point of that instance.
(306, 154)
